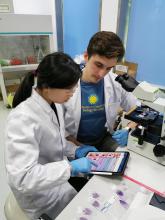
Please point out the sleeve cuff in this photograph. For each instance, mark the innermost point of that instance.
(128, 129)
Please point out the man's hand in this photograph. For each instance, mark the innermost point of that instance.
(121, 136)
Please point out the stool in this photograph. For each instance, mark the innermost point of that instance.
(12, 209)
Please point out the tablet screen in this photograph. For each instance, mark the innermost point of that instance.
(109, 162)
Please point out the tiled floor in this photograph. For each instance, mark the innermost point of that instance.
(4, 189)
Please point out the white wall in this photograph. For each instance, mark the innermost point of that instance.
(41, 7)
(109, 15)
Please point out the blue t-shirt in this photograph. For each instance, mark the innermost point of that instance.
(93, 119)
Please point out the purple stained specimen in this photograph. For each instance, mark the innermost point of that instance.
(87, 211)
(119, 193)
(96, 204)
(95, 195)
(124, 203)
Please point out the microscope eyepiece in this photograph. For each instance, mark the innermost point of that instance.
(127, 82)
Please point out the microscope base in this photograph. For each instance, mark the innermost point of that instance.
(146, 149)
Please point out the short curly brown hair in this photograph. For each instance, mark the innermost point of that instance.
(107, 44)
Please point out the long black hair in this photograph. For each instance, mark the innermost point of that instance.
(56, 70)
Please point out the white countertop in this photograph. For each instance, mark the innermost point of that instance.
(142, 178)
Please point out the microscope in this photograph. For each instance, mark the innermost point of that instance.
(148, 138)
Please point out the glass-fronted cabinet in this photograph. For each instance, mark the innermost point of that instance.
(23, 49)
(24, 41)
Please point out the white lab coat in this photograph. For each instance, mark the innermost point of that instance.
(115, 97)
(37, 167)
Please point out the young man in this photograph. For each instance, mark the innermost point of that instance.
(90, 114)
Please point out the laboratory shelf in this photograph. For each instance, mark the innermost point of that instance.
(19, 68)
(16, 71)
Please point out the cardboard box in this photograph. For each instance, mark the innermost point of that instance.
(126, 67)
(10, 89)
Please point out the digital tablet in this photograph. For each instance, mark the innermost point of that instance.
(108, 163)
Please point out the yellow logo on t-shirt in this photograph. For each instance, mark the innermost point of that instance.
(92, 99)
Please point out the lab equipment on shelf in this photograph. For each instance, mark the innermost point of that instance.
(22, 46)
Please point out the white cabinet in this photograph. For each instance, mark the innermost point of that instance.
(24, 41)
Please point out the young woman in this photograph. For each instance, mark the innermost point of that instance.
(36, 150)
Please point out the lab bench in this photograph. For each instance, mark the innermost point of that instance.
(124, 198)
